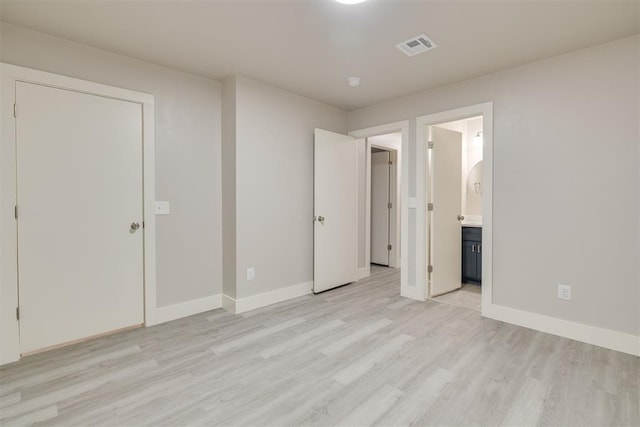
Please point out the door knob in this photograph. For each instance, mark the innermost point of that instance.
(134, 226)
(460, 217)
(321, 220)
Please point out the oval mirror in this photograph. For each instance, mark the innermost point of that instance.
(474, 190)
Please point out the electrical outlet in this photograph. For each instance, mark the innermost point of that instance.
(251, 273)
(564, 292)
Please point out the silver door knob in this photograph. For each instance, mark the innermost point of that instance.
(460, 217)
(134, 226)
(321, 220)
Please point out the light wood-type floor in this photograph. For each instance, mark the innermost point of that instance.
(469, 296)
(357, 355)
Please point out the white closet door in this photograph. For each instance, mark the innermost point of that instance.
(80, 256)
(380, 199)
(335, 242)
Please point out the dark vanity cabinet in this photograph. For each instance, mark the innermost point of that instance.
(472, 255)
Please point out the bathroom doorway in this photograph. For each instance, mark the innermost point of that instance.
(454, 212)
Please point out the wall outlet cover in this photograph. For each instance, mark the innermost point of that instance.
(564, 292)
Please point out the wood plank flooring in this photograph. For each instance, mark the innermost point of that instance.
(357, 355)
(469, 296)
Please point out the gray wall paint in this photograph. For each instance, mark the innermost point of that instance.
(274, 183)
(229, 186)
(566, 183)
(187, 114)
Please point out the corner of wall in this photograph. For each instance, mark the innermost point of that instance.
(229, 186)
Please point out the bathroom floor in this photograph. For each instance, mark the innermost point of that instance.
(469, 297)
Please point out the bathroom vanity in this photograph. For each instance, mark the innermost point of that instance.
(472, 254)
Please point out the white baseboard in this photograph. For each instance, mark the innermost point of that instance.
(189, 308)
(364, 272)
(229, 303)
(241, 305)
(614, 340)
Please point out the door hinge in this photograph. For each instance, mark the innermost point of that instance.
(15, 212)
(430, 144)
(388, 247)
(15, 110)
(389, 205)
(430, 207)
(430, 269)
(17, 313)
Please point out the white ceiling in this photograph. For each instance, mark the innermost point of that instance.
(312, 46)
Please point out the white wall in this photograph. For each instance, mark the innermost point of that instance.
(566, 183)
(472, 202)
(187, 114)
(274, 184)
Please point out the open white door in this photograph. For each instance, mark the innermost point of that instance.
(445, 172)
(335, 236)
(80, 210)
(380, 198)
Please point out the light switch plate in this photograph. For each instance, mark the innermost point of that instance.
(413, 203)
(163, 208)
(251, 273)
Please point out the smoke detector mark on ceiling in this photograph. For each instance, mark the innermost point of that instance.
(416, 45)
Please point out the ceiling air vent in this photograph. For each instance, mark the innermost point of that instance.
(416, 45)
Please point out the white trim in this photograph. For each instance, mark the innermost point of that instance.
(149, 212)
(406, 290)
(241, 305)
(63, 82)
(9, 337)
(422, 123)
(189, 308)
(367, 204)
(364, 272)
(229, 304)
(614, 340)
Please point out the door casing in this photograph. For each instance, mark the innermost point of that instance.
(402, 199)
(419, 292)
(10, 74)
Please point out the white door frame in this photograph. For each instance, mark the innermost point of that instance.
(9, 325)
(402, 198)
(422, 128)
(394, 214)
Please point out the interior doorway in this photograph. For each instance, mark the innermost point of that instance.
(78, 248)
(382, 200)
(381, 205)
(379, 202)
(79, 275)
(392, 138)
(475, 183)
